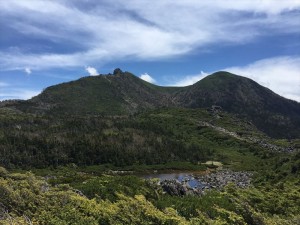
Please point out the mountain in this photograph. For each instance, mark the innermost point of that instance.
(271, 113)
(122, 93)
(113, 94)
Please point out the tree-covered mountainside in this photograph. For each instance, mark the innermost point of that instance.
(122, 93)
(153, 137)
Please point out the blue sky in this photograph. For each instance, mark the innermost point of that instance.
(167, 42)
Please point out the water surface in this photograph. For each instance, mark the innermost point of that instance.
(187, 176)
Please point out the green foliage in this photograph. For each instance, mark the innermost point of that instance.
(108, 187)
(27, 199)
(190, 206)
(32, 198)
(3, 172)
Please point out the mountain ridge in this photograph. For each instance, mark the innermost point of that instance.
(122, 93)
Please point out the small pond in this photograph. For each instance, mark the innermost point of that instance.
(187, 176)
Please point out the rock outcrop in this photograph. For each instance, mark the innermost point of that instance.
(207, 182)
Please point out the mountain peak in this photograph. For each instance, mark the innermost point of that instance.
(224, 75)
(118, 71)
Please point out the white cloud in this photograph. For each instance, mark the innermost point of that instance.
(27, 70)
(92, 71)
(189, 80)
(17, 93)
(280, 74)
(142, 29)
(147, 77)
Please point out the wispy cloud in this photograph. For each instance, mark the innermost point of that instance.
(10, 91)
(137, 29)
(92, 71)
(3, 84)
(189, 80)
(17, 93)
(147, 77)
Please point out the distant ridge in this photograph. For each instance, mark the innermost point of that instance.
(122, 93)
